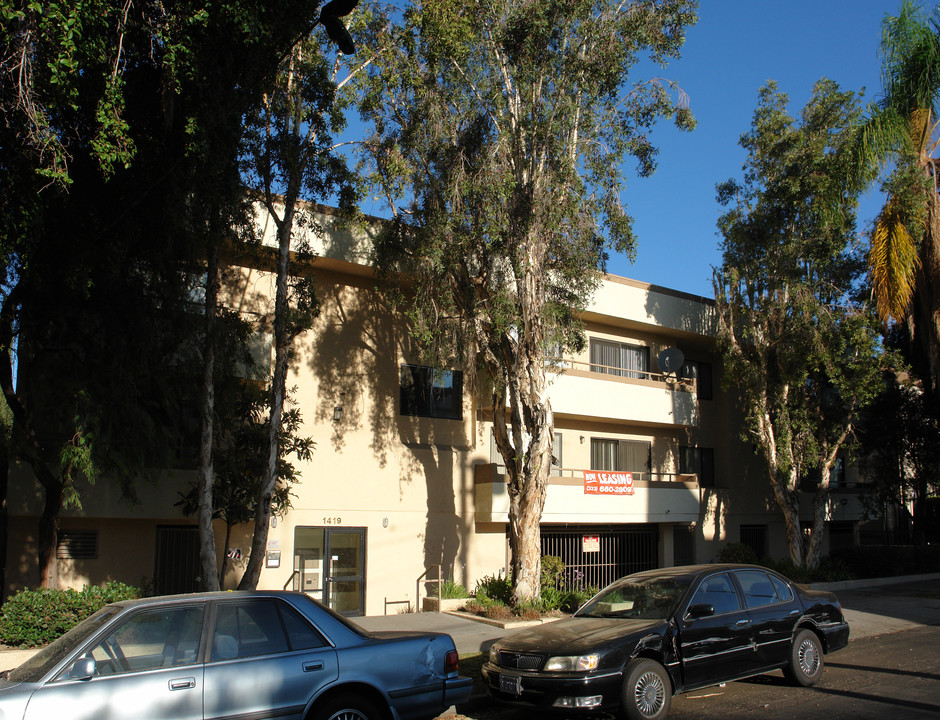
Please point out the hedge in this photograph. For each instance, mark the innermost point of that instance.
(32, 618)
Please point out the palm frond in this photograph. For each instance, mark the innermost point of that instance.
(892, 264)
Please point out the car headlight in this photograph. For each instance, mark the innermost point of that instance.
(494, 655)
(573, 663)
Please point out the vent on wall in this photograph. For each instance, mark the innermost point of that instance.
(77, 545)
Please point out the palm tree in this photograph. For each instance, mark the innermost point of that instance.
(902, 129)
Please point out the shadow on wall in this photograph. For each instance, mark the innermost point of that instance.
(356, 354)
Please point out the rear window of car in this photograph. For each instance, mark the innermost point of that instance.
(758, 588)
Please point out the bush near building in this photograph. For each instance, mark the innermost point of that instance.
(33, 618)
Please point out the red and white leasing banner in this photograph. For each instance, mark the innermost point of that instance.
(604, 482)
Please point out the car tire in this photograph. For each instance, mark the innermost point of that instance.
(647, 690)
(806, 659)
(346, 706)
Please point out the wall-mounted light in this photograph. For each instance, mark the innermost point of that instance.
(337, 413)
(581, 438)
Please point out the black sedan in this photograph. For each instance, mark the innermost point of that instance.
(657, 633)
(233, 655)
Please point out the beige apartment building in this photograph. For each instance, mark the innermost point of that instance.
(650, 468)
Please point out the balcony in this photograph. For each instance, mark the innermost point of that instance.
(596, 392)
(655, 499)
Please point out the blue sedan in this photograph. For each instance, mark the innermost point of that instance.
(233, 655)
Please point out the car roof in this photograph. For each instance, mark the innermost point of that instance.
(205, 597)
(695, 571)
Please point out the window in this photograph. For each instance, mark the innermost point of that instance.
(614, 358)
(701, 372)
(718, 592)
(698, 461)
(755, 537)
(428, 392)
(151, 640)
(621, 455)
(260, 627)
(757, 588)
(77, 545)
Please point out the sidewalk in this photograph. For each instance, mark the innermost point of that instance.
(874, 607)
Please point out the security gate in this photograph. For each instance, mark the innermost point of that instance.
(595, 556)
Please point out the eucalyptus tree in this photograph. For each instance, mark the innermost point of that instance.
(903, 130)
(501, 130)
(118, 159)
(796, 343)
(289, 158)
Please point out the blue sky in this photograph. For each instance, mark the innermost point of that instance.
(734, 49)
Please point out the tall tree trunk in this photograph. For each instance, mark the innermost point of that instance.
(4, 514)
(49, 535)
(528, 458)
(207, 550)
(282, 342)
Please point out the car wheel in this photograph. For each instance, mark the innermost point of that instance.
(806, 659)
(647, 690)
(346, 707)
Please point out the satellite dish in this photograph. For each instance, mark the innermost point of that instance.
(670, 360)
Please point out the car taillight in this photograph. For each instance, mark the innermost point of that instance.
(451, 662)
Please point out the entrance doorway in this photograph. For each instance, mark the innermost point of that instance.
(330, 566)
(176, 563)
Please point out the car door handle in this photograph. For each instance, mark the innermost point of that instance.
(742, 623)
(794, 613)
(313, 665)
(183, 683)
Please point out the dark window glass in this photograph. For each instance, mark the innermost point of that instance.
(248, 629)
(755, 537)
(757, 588)
(698, 461)
(702, 373)
(429, 392)
(718, 592)
(300, 634)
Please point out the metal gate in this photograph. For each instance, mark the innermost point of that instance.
(595, 556)
(176, 566)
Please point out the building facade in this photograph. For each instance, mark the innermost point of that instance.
(649, 465)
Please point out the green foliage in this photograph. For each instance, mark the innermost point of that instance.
(889, 560)
(32, 618)
(500, 132)
(737, 553)
(798, 339)
(553, 572)
(493, 588)
(451, 590)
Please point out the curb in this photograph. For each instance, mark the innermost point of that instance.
(873, 582)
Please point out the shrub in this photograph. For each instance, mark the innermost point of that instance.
(573, 599)
(32, 618)
(452, 590)
(494, 588)
(553, 571)
(551, 598)
(737, 553)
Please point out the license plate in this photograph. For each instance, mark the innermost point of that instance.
(510, 685)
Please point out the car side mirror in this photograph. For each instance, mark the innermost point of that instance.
(83, 669)
(701, 610)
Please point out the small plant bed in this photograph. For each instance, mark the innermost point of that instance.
(492, 598)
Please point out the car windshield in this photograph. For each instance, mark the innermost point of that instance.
(34, 669)
(646, 598)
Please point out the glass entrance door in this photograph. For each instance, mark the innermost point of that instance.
(329, 565)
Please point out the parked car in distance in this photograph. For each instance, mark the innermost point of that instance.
(233, 654)
(650, 635)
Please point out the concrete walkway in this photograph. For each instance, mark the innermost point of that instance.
(871, 608)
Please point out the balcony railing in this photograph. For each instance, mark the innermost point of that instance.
(619, 374)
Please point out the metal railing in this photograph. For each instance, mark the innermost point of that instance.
(424, 576)
(619, 373)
